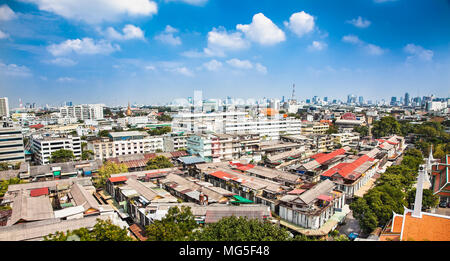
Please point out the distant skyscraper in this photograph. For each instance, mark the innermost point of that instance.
(190, 100)
(314, 99)
(325, 99)
(308, 101)
(393, 101)
(407, 101)
(4, 107)
(198, 100)
(361, 100)
(69, 103)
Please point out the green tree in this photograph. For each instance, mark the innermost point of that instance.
(429, 200)
(103, 230)
(62, 155)
(87, 155)
(105, 172)
(160, 131)
(362, 130)
(159, 162)
(164, 117)
(177, 225)
(413, 152)
(241, 229)
(386, 126)
(103, 133)
(332, 129)
(5, 183)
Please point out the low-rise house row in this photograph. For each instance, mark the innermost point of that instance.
(350, 175)
(312, 208)
(258, 190)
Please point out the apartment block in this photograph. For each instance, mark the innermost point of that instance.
(83, 111)
(11, 143)
(125, 143)
(43, 145)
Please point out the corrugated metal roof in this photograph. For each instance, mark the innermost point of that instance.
(38, 192)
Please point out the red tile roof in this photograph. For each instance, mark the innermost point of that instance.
(118, 179)
(38, 192)
(427, 228)
(37, 126)
(325, 157)
(325, 198)
(296, 191)
(223, 175)
(345, 169)
(177, 154)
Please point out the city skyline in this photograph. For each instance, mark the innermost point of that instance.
(156, 51)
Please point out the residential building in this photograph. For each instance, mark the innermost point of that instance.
(174, 141)
(11, 143)
(346, 139)
(83, 111)
(43, 145)
(125, 143)
(4, 107)
(314, 128)
(312, 208)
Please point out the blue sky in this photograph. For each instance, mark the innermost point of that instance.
(150, 51)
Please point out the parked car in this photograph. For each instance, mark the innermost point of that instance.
(352, 236)
(443, 204)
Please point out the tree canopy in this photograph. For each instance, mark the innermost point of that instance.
(386, 126)
(159, 162)
(241, 229)
(389, 195)
(160, 131)
(164, 117)
(62, 155)
(104, 230)
(177, 225)
(105, 172)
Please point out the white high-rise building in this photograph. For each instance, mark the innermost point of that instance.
(11, 143)
(4, 107)
(43, 146)
(235, 122)
(83, 111)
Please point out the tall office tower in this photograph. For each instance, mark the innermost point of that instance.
(314, 99)
(361, 100)
(407, 101)
(308, 101)
(393, 101)
(4, 107)
(325, 99)
(198, 100)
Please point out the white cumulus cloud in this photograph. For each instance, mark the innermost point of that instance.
(212, 65)
(300, 23)
(83, 46)
(317, 46)
(417, 52)
(129, 31)
(261, 68)
(6, 13)
(219, 42)
(240, 64)
(359, 22)
(262, 30)
(14, 70)
(368, 47)
(168, 36)
(97, 11)
(183, 71)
